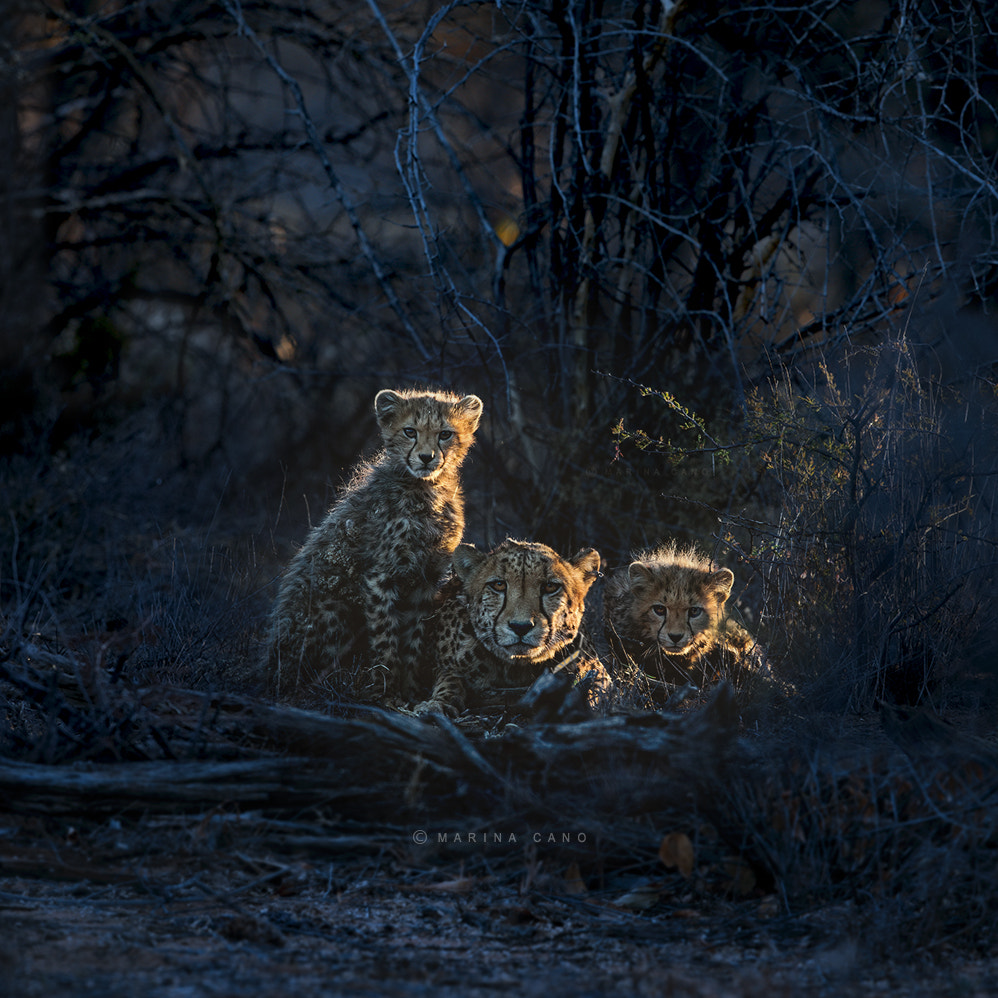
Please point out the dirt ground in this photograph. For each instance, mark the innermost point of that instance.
(167, 906)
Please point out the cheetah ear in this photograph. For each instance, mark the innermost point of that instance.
(640, 576)
(386, 404)
(470, 408)
(587, 561)
(465, 560)
(721, 582)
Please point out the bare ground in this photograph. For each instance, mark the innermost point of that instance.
(170, 906)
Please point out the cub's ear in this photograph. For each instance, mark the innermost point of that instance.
(386, 404)
(470, 410)
(465, 560)
(640, 576)
(721, 582)
(587, 561)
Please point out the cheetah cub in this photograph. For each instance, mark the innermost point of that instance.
(666, 614)
(360, 587)
(512, 615)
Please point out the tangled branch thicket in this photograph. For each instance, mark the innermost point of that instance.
(725, 272)
(256, 209)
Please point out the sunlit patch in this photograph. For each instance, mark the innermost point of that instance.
(507, 230)
(278, 235)
(285, 349)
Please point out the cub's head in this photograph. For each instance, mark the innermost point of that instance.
(525, 601)
(671, 600)
(427, 431)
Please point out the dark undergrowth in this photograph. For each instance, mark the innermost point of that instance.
(862, 784)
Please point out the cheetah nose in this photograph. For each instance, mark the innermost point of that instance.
(520, 627)
(426, 458)
(675, 638)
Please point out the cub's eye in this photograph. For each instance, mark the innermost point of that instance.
(445, 434)
(695, 611)
(410, 432)
(551, 586)
(497, 585)
(658, 610)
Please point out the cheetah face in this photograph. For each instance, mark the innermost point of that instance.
(525, 601)
(676, 609)
(427, 432)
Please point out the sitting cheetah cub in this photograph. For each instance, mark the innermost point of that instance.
(666, 614)
(367, 574)
(511, 615)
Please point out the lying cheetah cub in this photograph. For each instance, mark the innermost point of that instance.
(367, 575)
(666, 613)
(511, 615)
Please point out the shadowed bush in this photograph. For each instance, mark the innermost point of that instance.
(878, 570)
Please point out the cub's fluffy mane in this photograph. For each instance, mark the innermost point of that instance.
(682, 557)
(679, 567)
(440, 394)
(389, 401)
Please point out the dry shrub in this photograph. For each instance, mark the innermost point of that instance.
(878, 565)
(909, 835)
(103, 563)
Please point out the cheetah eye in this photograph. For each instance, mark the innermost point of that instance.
(551, 586)
(695, 612)
(410, 432)
(445, 434)
(658, 610)
(497, 585)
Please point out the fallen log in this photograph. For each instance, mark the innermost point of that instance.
(380, 763)
(87, 788)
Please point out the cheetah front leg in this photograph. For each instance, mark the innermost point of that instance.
(447, 698)
(382, 620)
(395, 630)
(595, 681)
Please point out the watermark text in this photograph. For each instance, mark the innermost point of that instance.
(498, 837)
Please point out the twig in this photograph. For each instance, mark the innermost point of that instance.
(234, 7)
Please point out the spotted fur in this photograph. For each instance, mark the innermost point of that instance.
(514, 613)
(666, 613)
(365, 579)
